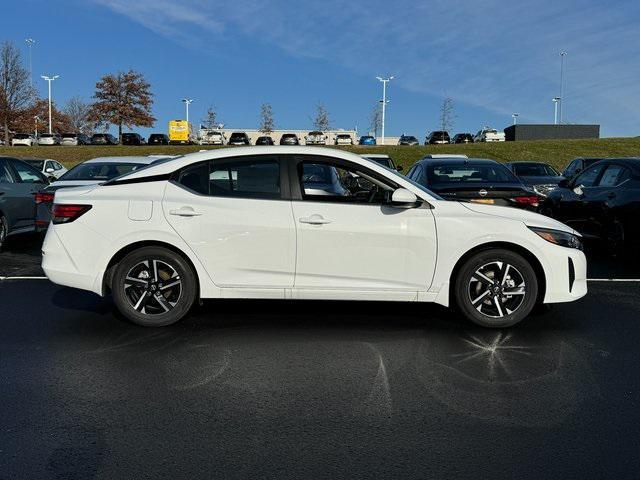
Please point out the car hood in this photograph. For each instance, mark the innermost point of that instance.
(541, 180)
(529, 218)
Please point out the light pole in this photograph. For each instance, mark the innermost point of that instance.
(50, 79)
(384, 100)
(30, 42)
(515, 118)
(556, 101)
(562, 55)
(187, 102)
(36, 118)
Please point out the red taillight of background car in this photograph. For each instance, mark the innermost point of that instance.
(62, 213)
(532, 200)
(44, 197)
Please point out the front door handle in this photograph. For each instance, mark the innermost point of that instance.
(184, 212)
(315, 219)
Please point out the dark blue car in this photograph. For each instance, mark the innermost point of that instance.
(367, 140)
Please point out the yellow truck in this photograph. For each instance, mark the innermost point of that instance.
(180, 132)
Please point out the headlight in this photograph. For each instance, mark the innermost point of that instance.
(563, 239)
(544, 190)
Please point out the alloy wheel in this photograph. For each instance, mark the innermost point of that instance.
(497, 289)
(153, 287)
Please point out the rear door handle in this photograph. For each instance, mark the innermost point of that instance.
(315, 219)
(185, 212)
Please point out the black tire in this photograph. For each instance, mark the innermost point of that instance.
(4, 230)
(163, 289)
(486, 301)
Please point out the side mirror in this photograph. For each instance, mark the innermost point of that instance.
(403, 198)
(578, 190)
(49, 170)
(399, 168)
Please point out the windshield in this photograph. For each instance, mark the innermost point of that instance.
(20, 136)
(37, 164)
(385, 162)
(69, 135)
(534, 170)
(46, 135)
(100, 171)
(469, 173)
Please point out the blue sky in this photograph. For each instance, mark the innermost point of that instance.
(492, 57)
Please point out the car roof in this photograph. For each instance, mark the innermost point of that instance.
(526, 162)
(459, 161)
(374, 155)
(131, 159)
(434, 156)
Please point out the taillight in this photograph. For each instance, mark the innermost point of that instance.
(44, 197)
(67, 213)
(532, 200)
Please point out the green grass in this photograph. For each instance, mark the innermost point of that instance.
(555, 152)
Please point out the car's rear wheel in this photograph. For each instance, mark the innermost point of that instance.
(4, 230)
(154, 287)
(496, 288)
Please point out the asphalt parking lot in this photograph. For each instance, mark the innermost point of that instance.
(253, 389)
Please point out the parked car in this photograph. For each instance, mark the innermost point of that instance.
(212, 137)
(49, 139)
(158, 139)
(23, 139)
(103, 139)
(540, 176)
(51, 169)
(437, 138)
(226, 223)
(239, 138)
(265, 140)
(577, 165)
(475, 180)
(408, 140)
(462, 138)
(19, 183)
(382, 159)
(343, 139)
(602, 202)
(88, 173)
(74, 139)
(489, 135)
(367, 140)
(133, 139)
(289, 139)
(315, 138)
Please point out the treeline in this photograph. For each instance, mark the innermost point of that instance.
(123, 99)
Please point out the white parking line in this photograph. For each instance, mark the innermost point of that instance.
(23, 278)
(613, 279)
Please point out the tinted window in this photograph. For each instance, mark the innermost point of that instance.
(20, 136)
(534, 170)
(613, 175)
(100, 171)
(469, 173)
(246, 177)
(5, 176)
(26, 173)
(588, 177)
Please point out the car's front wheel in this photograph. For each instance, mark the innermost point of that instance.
(154, 287)
(496, 288)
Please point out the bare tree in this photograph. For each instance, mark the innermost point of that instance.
(210, 121)
(266, 118)
(16, 93)
(447, 114)
(321, 122)
(123, 99)
(375, 120)
(78, 112)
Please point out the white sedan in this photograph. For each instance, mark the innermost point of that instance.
(252, 223)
